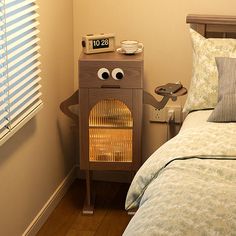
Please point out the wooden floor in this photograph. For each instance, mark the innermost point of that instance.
(109, 218)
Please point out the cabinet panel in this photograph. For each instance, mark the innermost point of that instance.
(110, 114)
(112, 131)
(132, 77)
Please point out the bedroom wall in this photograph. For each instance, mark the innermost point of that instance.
(39, 156)
(161, 26)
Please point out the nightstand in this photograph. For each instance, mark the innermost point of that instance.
(110, 114)
(110, 98)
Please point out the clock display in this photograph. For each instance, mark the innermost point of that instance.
(100, 43)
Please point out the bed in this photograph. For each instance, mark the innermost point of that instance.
(188, 185)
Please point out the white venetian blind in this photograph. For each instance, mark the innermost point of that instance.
(20, 96)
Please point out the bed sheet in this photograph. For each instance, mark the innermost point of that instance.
(188, 186)
(196, 119)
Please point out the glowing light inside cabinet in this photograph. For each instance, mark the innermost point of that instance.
(110, 132)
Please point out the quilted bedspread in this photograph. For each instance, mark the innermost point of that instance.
(188, 186)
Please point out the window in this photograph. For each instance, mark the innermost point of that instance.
(20, 96)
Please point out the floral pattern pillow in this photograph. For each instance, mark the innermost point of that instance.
(203, 91)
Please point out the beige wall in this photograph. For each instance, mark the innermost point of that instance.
(161, 26)
(37, 158)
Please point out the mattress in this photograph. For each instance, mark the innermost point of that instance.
(188, 186)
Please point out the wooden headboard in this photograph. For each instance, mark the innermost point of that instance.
(213, 26)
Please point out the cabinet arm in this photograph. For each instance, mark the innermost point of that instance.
(151, 100)
(72, 100)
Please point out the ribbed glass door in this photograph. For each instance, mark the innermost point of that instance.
(110, 132)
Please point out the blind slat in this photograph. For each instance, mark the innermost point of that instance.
(34, 106)
(9, 1)
(24, 30)
(21, 101)
(4, 132)
(12, 17)
(24, 47)
(21, 108)
(24, 81)
(22, 91)
(18, 5)
(22, 39)
(13, 80)
(2, 107)
(22, 21)
(3, 115)
(21, 57)
(12, 72)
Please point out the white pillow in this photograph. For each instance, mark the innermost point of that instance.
(203, 90)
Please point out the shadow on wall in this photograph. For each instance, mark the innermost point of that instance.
(22, 136)
(67, 137)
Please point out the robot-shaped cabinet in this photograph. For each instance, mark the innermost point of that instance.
(111, 99)
(110, 113)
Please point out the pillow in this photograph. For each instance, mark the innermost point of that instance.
(202, 93)
(225, 110)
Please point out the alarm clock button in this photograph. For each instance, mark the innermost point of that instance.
(117, 74)
(103, 73)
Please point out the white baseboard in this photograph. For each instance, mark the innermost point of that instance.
(51, 204)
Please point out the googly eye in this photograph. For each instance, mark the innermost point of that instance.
(103, 73)
(117, 74)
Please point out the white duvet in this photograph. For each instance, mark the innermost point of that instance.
(188, 186)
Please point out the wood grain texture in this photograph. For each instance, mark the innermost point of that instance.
(111, 56)
(132, 74)
(132, 65)
(93, 88)
(83, 124)
(72, 100)
(211, 19)
(213, 26)
(137, 130)
(67, 219)
(124, 95)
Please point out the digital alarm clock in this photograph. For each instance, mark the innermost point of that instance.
(97, 43)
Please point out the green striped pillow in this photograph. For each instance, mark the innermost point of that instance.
(225, 110)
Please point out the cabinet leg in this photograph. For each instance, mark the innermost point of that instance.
(88, 208)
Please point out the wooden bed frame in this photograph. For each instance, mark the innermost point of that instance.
(213, 26)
